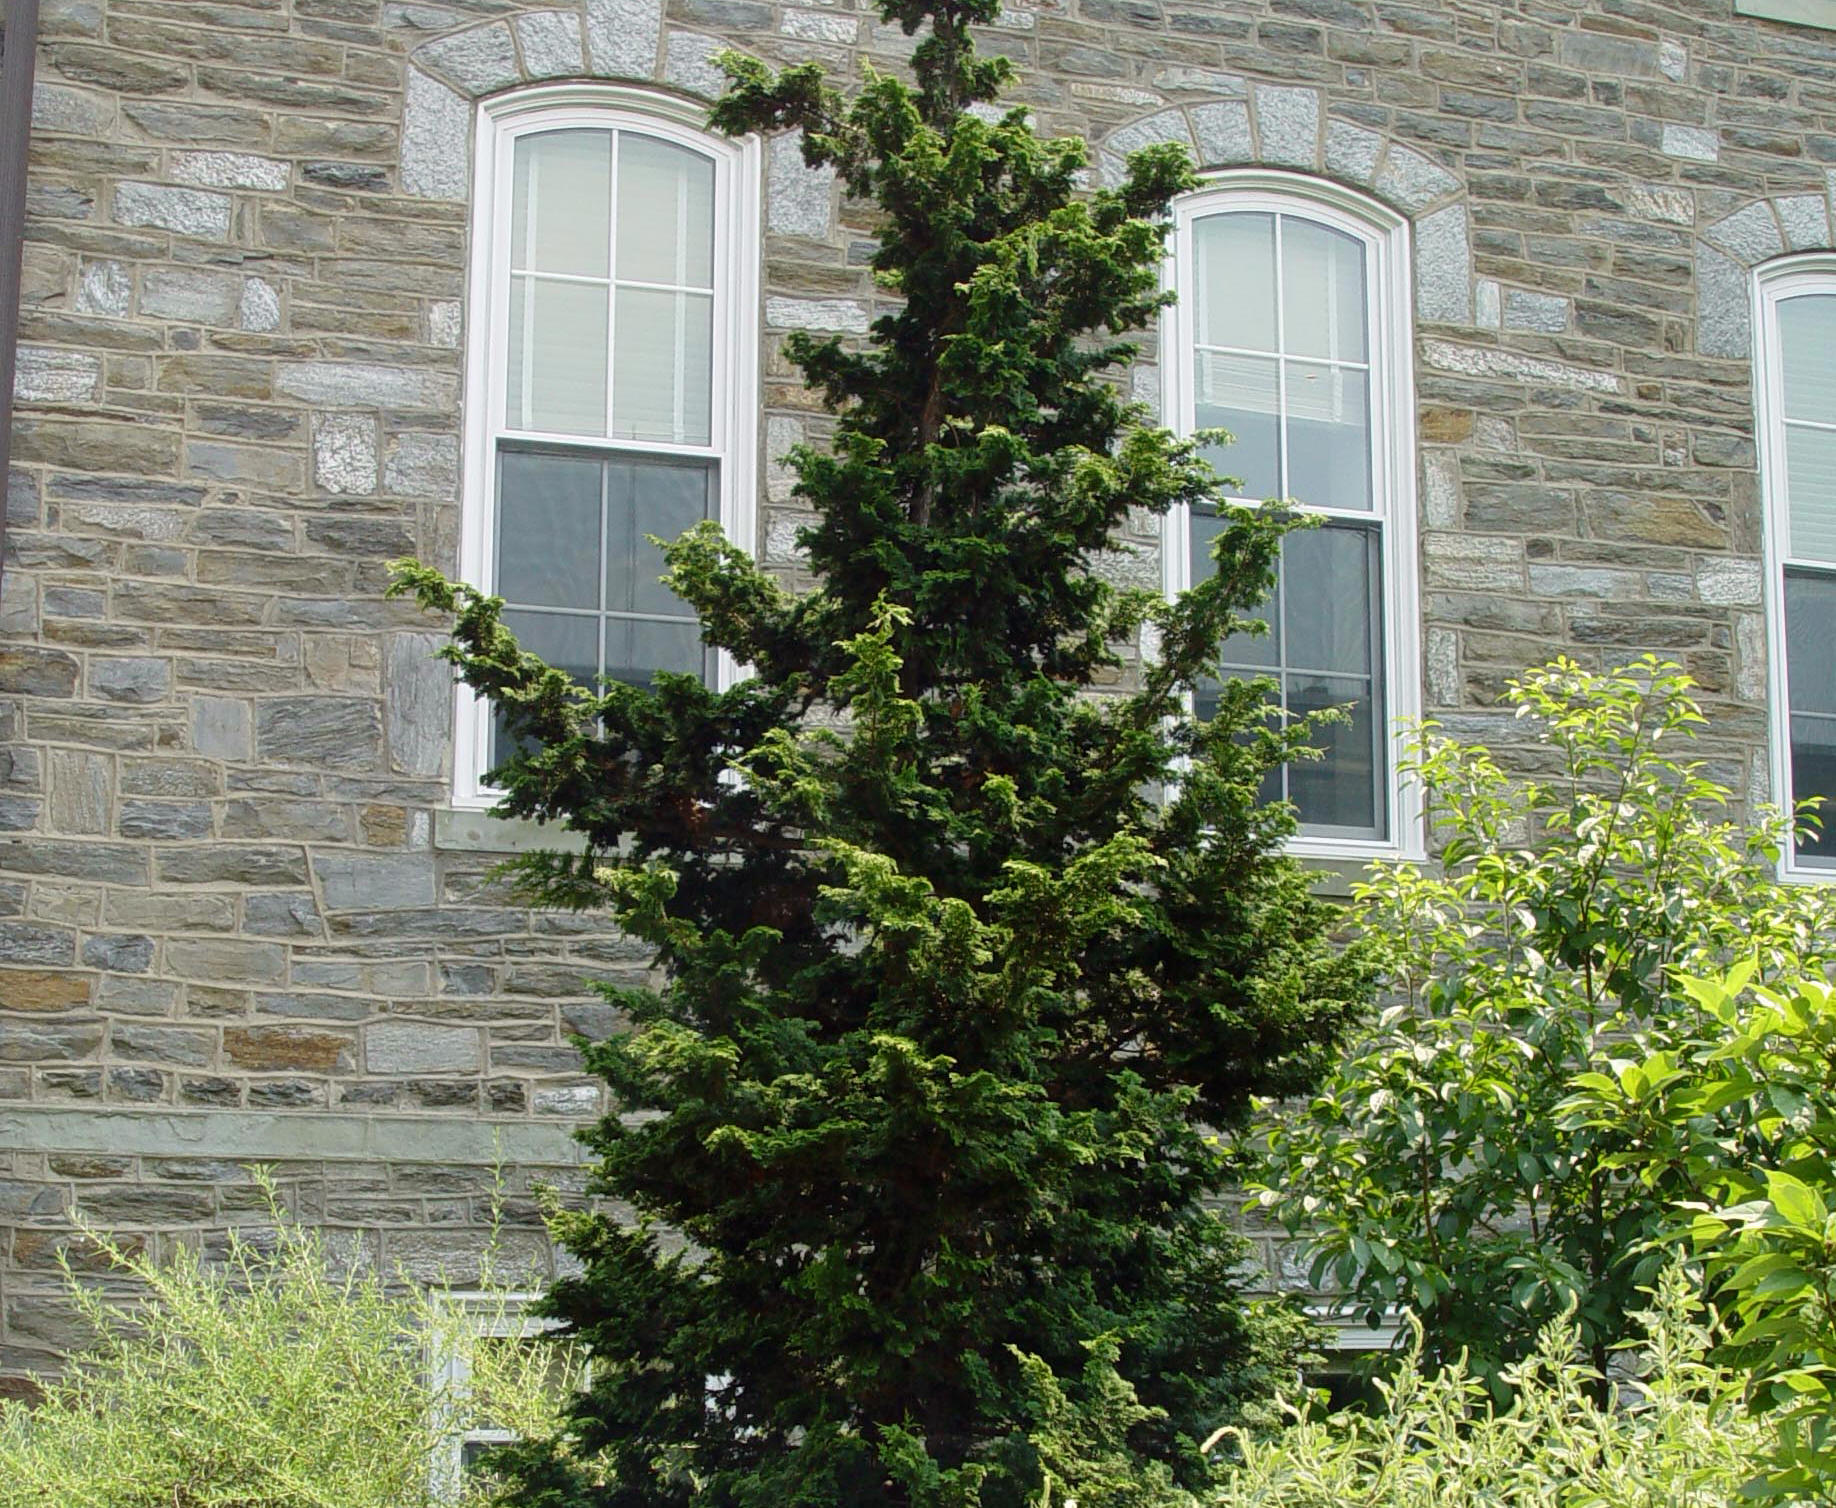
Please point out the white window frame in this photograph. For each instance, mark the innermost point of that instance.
(483, 1316)
(735, 417)
(1385, 236)
(1814, 272)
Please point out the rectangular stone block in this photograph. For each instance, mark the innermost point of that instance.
(411, 1047)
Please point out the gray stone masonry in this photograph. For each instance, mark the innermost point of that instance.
(234, 914)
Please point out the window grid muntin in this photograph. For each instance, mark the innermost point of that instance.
(1371, 518)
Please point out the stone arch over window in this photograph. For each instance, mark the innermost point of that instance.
(1289, 126)
(1728, 251)
(595, 39)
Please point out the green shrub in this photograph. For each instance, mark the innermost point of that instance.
(1669, 1439)
(1745, 1111)
(278, 1377)
(1444, 1168)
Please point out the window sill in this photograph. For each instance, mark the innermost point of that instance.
(471, 830)
(1818, 13)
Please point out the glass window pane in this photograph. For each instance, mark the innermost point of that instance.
(561, 205)
(1807, 338)
(1813, 773)
(662, 367)
(568, 641)
(1237, 393)
(1236, 281)
(1810, 487)
(1328, 576)
(1329, 435)
(665, 213)
(1322, 291)
(557, 357)
(650, 498)
(1810, 640)
(636, 649)
(1344, 789)
(548, 523)
(1258, 651)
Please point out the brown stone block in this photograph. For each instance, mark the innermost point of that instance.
(42, 990)
(289, 1047)
(217, 376)
(1446, 426)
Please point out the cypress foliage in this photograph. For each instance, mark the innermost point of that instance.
(959, 963)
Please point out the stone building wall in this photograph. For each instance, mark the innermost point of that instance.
(237, 920)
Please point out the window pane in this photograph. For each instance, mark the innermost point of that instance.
(557, 377)
(1329, 435)
(665, 213)
(1322, 295)
(1810, 658)
(1327, 574)
(1807, 338)
(650, 498)
(1343, 790)
(568, 642)
(1813, 773)
(1257, 651)
(1237, 393)
(636, 649)
(548, 523)
(1236, 281)
(1810, 486)
(560, 216)
(1810, 640)
(662, 367)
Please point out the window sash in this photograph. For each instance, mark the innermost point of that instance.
(1387, 519)
(728, 448)
(1798, 769)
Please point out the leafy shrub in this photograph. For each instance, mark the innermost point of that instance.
(1669, 1439)
(276, 1378)
(1445, 1168)
(1746, 1112)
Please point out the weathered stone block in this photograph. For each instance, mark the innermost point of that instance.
(130, 679)
(44, 375)
(344, 453)
(304, 1049)
(230, 170)
(436, 128)
(364, 882)
(189, 212)
(216, 959)
(42, 990)
(232, 864)
(622, 36)
(169, 820)
(119, 953)
(335, 732)
(43, 1042)
(182, 1046)
(414, 1047)
(185, 293)
(549, 41)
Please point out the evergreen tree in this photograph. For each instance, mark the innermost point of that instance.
(959, 963)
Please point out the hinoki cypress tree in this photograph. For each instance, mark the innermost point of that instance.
(958, 962)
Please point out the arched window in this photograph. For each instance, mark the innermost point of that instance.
(1291, 332)
(1795, 387)
(611, 378)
